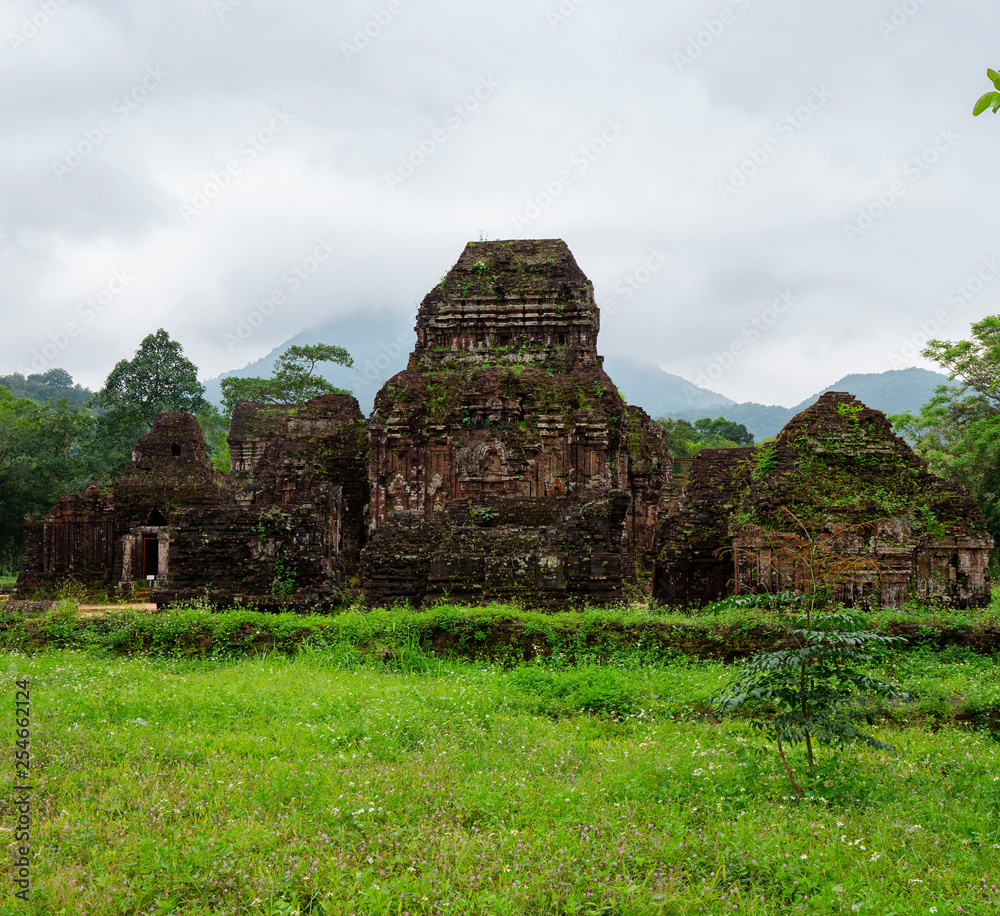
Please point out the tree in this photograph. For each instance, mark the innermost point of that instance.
(817, 683)
(293, 380)
(958, 431)
(990, 99)
(41, 457)
(686, 440)
(726, 430)
(158, 378)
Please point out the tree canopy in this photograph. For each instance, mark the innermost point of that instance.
(158, 378)
(41, 456)
(686, 439)
(293, 380)
(958, 431)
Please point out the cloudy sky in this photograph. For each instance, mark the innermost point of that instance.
(767, 194)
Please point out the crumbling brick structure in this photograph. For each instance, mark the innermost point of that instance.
(504, 462)
(119, 534)
(836, 504)
(285, 529)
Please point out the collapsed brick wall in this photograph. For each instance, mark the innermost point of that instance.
(505, 406)
(95, 537)
(73, 541)
(294, 531)
(695, 561)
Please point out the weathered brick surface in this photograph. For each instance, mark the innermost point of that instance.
(506, 418)
(285, 529)
(837, 502)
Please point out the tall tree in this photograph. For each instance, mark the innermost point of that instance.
(41, 456)
(158, 378)
(293, 380)
(958, 431)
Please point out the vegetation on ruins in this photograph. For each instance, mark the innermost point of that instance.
(293, 380)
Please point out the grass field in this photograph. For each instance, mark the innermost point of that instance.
(332, 782)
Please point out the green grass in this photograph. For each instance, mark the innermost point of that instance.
(8, 581)
(331, 782)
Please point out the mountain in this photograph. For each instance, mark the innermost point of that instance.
(894, 391)
(379, 342)
(657, 392)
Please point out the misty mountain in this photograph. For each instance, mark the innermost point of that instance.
(381, 342)
(894, 391)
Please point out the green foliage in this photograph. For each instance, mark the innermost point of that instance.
(334, 783)
(293, 380)
(158, 378)
(819, 692)
(51, 385)
(958, 431)
(990, 99)
(215, 428)
(42, 454)
(685, 440)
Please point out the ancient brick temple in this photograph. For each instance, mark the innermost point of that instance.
(837, 504)
(285, 528)
(504, 462)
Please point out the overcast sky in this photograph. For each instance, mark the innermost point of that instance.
(767, 194)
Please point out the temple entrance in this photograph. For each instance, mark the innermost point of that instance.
(150, 556)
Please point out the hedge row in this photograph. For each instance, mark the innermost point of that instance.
(499, 633)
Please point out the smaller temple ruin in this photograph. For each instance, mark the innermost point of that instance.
(503, 463)
(284, 529)
(836, 504)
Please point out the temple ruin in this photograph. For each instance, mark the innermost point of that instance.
(503, 464)
(838, 505)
